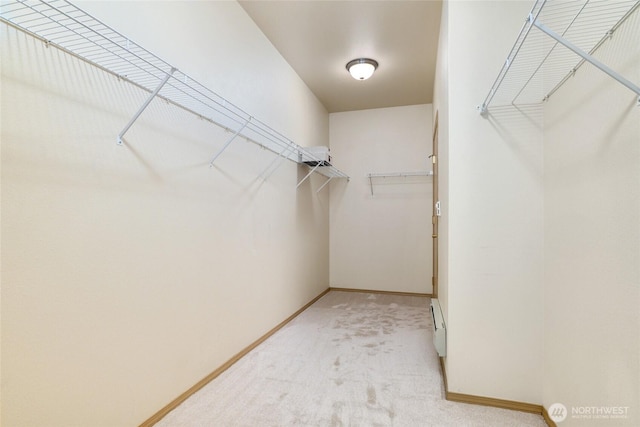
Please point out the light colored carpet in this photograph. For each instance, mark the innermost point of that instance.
(351, 359)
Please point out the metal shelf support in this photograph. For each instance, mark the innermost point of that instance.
(280, 158)
(229, 141)
(582, 27)
(323, 185)
(515, 49)
(309, 174)
(145, 105)
(588, 58)
(62, 25)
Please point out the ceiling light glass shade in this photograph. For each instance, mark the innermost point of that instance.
(362, 68)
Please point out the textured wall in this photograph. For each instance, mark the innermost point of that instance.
(129, 273)
(441, 109)
(382, 241)
(495, 215)
(592, 237)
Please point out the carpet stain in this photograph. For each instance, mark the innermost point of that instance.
(384, 373)
(366, 332)
(391, 413)
(371, 395)
(336, 417)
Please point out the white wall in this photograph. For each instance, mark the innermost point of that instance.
(495, 215)
(542, 278)
(129, 273)
(240, 64)
(441, 109)
(592, 237)
(382, 242)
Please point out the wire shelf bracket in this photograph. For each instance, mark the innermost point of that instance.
(324, 185)
(279, 159)
(589, 22)
(61, 24)
(589, 58)
(228, 143)
(144, 106)
(309, 174)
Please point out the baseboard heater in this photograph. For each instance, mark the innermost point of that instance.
(439, 328)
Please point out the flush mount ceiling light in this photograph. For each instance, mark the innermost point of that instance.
(362, 68)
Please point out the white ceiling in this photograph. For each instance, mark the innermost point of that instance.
(318, 38)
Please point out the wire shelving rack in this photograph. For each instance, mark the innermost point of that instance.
(557, 38)
(407, 175)
(63, 25)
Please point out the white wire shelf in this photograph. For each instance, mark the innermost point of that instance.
(61, 24)
(385, 175)
(399, 174)
(557, 38)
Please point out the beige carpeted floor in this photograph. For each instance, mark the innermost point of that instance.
(351, 359)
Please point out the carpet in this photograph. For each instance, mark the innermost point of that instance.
(351, 359)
